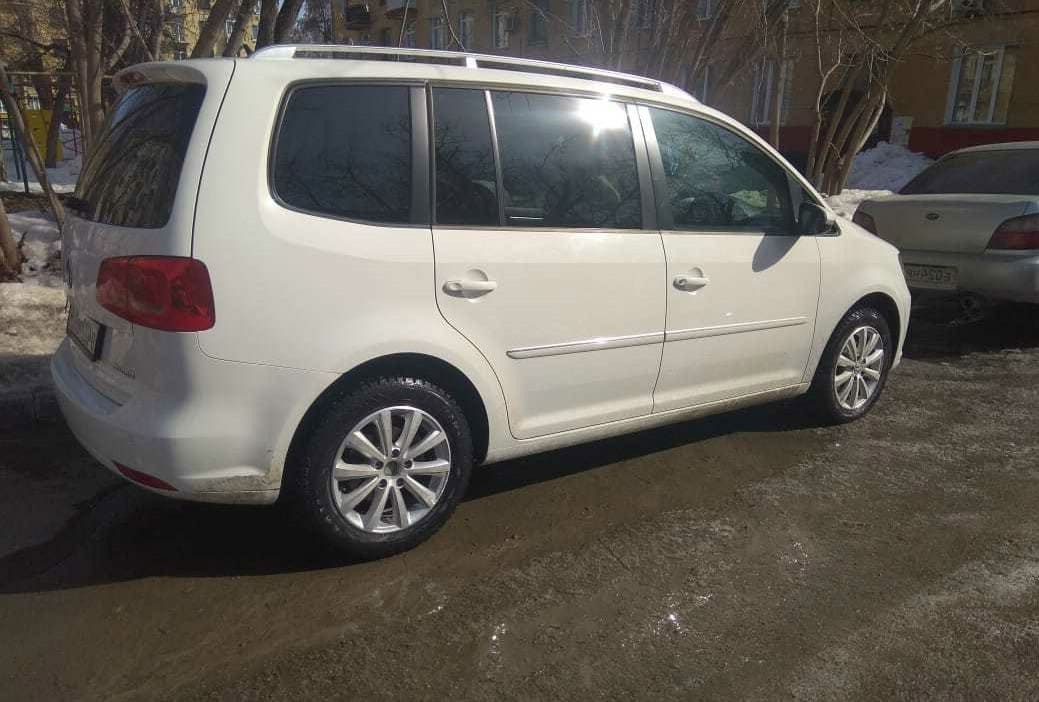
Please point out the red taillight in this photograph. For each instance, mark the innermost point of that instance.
(144, 479)
(865, 221)
(1017, 234)
(170, 293)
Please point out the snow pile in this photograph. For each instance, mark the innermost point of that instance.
(885, 167)
(40, 243)
(63, 177)
(848, 201)
(878, 171)
(32, 324)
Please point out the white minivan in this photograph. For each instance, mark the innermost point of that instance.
(344, 276)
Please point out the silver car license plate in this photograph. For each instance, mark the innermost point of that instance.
(85, 333)
(934, 277)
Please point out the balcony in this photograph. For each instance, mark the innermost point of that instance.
(395, 8)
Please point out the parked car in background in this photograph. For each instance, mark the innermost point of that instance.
(343, 276)
(968, 224)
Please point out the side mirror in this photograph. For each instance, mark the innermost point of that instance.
(813, 220)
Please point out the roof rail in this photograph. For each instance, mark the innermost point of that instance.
(458, 58)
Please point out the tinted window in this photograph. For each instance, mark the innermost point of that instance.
(566, 162)
(131, 179)
(466, 182)
(716, 179)
(1013, 172)
(346, 151)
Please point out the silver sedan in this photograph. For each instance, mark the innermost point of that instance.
(968, 224)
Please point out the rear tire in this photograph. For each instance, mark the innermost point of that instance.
(851, 375)
(384, 468)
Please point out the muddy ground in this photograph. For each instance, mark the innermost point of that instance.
(750, 555)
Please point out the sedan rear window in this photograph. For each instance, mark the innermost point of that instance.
(1010, 172)
(131, 178)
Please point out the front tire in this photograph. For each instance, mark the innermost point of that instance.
(385, 467)
(854, 367)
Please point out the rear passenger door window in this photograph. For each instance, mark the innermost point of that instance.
(566, 162)
(345, 151)
(718, 180)
(466, 180)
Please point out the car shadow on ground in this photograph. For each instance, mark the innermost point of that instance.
(126, 533)
(938, 329)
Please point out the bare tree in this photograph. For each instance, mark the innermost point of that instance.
(241, 23)
(213, 28)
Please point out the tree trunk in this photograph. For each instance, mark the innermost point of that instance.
(54, 128)
(823, 153)
(213, 28)
(858, 140)
(10, 259)
(778, 85)
(78, 56)
(286, 20)
(17, 121)
(158, 18)
(268, 16)
(338, 13)
(241, 21)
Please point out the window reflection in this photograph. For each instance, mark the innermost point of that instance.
(466, 187)
(566, 162)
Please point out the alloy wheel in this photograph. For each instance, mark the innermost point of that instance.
(391, 469)
(859, 367)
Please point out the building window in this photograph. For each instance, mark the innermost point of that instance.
(704, 9)
(979, 88)
(385, 38)
(254, 31)
(229, 26)
(765, 83)
(180, 55)
(177, 30)
(579, 17)
(465, 29)
(409, 35)
(257, 7)
(502, 27)
(176, 5)
(437, 33)
(537, 23)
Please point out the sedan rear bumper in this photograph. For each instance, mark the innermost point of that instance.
(1000, 276)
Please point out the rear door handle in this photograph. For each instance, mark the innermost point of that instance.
(472, 287)
(690, 282)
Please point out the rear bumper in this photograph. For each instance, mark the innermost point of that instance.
(1008, 277)
(221, 440)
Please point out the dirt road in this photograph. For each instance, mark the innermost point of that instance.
(745, 556)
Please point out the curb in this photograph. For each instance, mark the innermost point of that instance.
(19, 409)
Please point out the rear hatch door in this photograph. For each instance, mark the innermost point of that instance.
(136, 197)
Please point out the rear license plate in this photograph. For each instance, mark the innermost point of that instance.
(86, 333)
(936, 277)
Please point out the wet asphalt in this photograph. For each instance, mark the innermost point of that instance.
(752, 555)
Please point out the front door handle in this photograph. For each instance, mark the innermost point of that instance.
(469, 287)
(690, 282)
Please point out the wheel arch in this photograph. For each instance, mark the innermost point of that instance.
(435, 370)
(887, 307)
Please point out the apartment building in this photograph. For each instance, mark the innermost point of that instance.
(972, 82)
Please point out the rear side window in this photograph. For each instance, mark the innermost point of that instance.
(131, 179)
(717, 180)
(345, 151)
(1010, 172)
(566, 162)
(466, 183)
